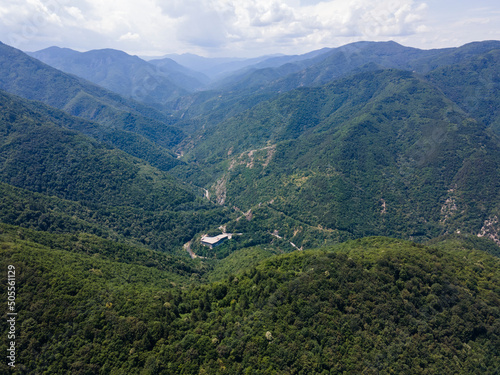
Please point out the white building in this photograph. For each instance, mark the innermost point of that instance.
(214, 241)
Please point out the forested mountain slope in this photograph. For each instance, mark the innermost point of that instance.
(126, 75)
(381, 152)
(242, 91)
(41, 155)
(98, 214)
(346, 60)
(25, 76)
(106, 190)
(130, 126)
(372, 305)
(473, 83)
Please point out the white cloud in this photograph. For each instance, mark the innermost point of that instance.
(129, 36)
(76, 13)
(229, 27)
(368, 19)
(34, 20)
(204, 28)
(270, 13)
(238, 26)
(450, 23)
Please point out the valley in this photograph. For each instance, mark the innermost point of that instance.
(355, 192)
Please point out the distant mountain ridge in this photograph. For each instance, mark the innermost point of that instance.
(129, 125)
(126, 75)
(214, 67)
(246, 88)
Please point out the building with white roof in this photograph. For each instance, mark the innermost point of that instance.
(214, 241)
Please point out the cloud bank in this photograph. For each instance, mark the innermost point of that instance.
(209, 27)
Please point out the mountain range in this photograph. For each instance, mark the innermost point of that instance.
(126, 75)
(360, 185)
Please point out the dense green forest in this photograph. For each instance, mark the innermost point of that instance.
(25, 76)
(360, 187)
(372, 305)
(57, 179)
(381, 152)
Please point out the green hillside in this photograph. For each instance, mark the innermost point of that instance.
(242, 91)
(379, 153)
(376, 305)
(473, 83)
(29, 78)
(163, 230)
(39, 155)
(360, 189)
(119, 72)
(86, 185)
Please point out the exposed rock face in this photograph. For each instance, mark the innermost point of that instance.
(221, 191)
(250, 159)
(449, 207)
(491, 229)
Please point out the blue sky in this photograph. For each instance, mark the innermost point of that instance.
(243, 28)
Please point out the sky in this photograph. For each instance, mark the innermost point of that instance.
(242, 28)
